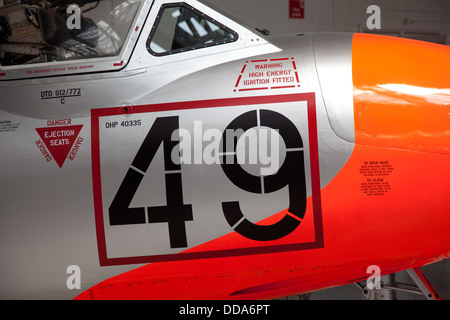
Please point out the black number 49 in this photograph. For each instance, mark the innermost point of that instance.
(176, 213)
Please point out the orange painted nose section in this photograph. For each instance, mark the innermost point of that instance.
(401, 94)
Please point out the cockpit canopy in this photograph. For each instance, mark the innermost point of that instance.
(61, 30)
(180, 27)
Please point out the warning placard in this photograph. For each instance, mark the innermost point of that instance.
(376, 175)
(57, 142)
(268, 74)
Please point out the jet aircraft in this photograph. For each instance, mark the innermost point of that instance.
(157, 149)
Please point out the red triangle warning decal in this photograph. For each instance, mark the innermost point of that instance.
(59, 140)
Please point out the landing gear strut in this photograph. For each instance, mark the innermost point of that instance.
(388, 287)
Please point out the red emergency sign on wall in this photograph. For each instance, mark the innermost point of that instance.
(297, 9)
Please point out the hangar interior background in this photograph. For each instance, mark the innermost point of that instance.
(426, 20)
